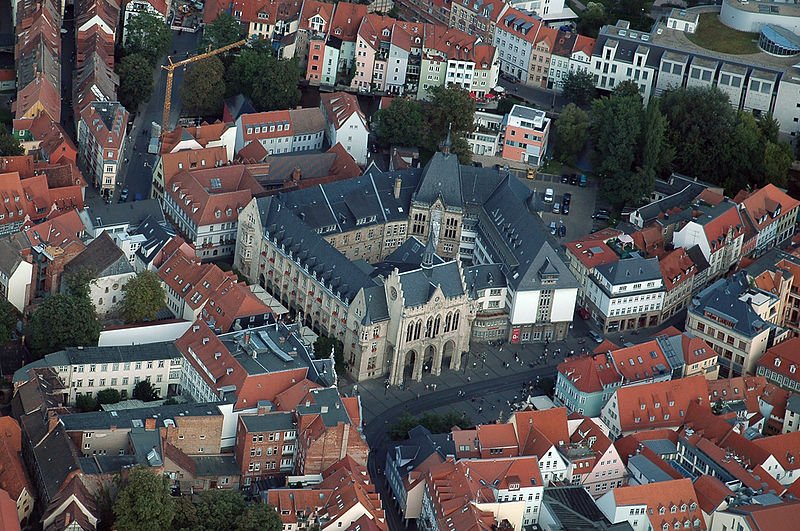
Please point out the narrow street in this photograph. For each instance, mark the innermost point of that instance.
(137, 173)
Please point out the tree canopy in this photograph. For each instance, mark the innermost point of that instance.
(578, 87)
(204, 87)
(401, 123)
(269, 82)
(135, 80)
(450, 109)
(224, 510)
(144, 296)
(8, 320)
(108, 396)
(9, 145)
(223, 31)
(571, 132)
(148, 36)
(143, 502)
(63, 321)
(434, 422)
(145, 391)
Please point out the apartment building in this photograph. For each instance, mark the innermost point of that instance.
(170, 164)
(87, 370)
(477, 17)
(524, 135)
(678, 271)
(346, 124)
(661, 505)
(280, 132)
(270, 20)
(771, 215)
(204, 205)
(332, 56)
(586, 253)
(101, 143)
(626, 295)
(265, 445)
(739, 321)
(780, 363)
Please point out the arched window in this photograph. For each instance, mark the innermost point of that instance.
(410, 332)
(455, 320)
(429, 327)
(447, 322)
(418, 329)
(436, 324)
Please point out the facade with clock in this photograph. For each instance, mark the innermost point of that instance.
(408, 267)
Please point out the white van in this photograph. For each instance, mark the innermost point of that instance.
(548, 195)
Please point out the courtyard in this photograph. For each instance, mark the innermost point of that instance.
(714, 35)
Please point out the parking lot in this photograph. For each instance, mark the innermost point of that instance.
(579, 220)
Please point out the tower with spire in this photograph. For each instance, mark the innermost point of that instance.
(429, 253)
(447, 143)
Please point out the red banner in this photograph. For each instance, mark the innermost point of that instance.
(515, 335)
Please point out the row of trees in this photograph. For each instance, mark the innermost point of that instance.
(147, 39)
(144, 502)
(434, 422)
(693, 131)
(409, 122)
(143, 391)
(69, 319)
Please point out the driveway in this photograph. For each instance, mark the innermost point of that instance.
(579, 220)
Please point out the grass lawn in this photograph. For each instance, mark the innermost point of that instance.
(714, 35)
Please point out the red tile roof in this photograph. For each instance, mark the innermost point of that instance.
(590, 374)
(57, 233)
(529, 35)
(649, 240)
(315, 7)
(584, 44)
(12, 471)
(496, 436)
(676, 268)
(641, 362)
(762, 204)
(746, 388)
(665, 402)
(213, 195)
(40, 91)
(172, 163)
(54, 142)
(340, 106)
(784, 359)
(785, 448)
(202, 134)
(695, 349)
(347, 18)
(592, 250)
(711, 492)
(717, 229)
(678, 495)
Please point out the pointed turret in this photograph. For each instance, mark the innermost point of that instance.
(445, 146)
(428, 253)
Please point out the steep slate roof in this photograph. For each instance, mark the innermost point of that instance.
(723, 298)
(630, 270)
(273, 421)
(441, 177)
(419, 285)
(102, 256)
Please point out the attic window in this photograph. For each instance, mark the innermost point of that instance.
(793, 369)
(777, 362)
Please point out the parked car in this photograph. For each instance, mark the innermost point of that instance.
(582, 182)
(548, 195)
(565, 209)
(597, 337)
(564, 178)
(553, 228)
(556, 208)
(601, 215)
(562, 231)
(574, 179)
(123, 195)
(567, 198)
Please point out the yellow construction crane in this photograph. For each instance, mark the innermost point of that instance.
(170, 68)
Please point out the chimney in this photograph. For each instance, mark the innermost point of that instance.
(398, 183)
(296, 174)
(150, 423)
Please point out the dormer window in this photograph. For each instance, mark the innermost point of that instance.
(683, 508)
(793, 369)
(263, 16)
(673, 509)
(777, 362)
(661, 510)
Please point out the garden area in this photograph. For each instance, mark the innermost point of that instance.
(714, 35)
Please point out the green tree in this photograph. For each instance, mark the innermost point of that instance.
(204, 87)
(145, 391)
(616, 129)
(628, 88)
(578, 88)
(135, 80)
(656, 154)
(701, 122)
(322, 350)
(270, 83)
(86, 403)
(451, 109)
(223, 31)
(743, 157)
(143, 502)
(777, 162)
(8, 320)
(78, 283)
(259, 517)
(219, 509)
(9, 145)
(108, 396)
(63, 321)
(147, 35)
(571, 133)
(769, 127)
(144, 296)
(400, 124)
(186, 518)
(592, 19)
